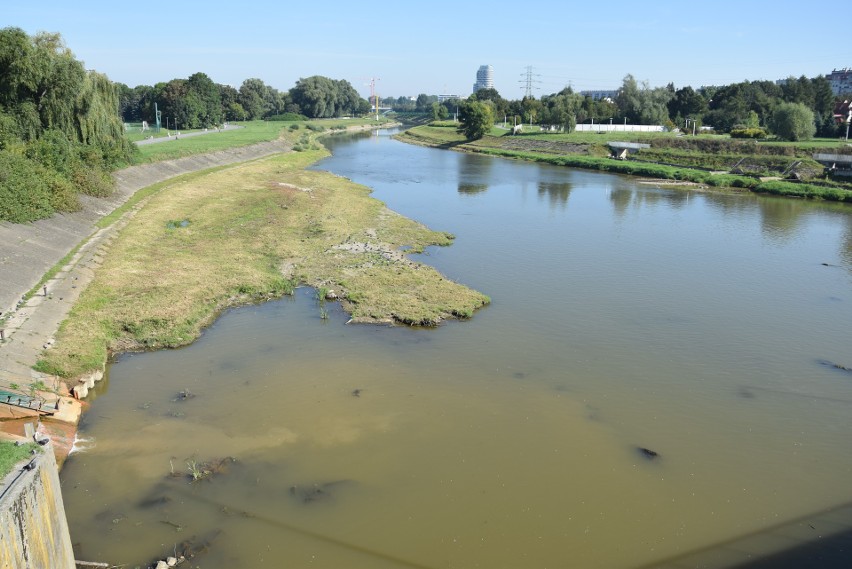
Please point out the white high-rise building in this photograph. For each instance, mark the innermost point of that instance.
(841, 80)
(484, 78)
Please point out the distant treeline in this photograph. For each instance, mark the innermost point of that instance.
(60, 132)
(198, 102)
(62, 127)
(748, 109)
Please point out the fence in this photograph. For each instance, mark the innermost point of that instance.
(606, 127)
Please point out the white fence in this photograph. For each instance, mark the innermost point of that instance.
(606, 127)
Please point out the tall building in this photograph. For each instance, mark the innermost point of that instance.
(841, 80)
(484, 78)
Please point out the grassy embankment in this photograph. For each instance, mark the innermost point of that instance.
(248, 233)
(706, 159)
(251, 133)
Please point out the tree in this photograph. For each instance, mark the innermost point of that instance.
(60, 128)
(321, 97)
(439, 112)
(210, 98)
(501, 105)
(793, 121)
(424, 102)
(475, 119)
(642, 105)
(687, 103)
(254, 98)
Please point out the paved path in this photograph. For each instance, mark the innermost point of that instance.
(28, 251)
(180, 135)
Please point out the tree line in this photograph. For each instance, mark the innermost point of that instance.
(198, 102)
(60, 132)
(794, 109)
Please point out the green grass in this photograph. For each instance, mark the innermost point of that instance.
(254, 230)
(252, 133)
(816, 143)
(11, 454)
(691, 171)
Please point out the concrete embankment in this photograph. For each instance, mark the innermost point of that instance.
(29, 251)
(33, 528)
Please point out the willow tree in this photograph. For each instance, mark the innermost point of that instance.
(49, 101)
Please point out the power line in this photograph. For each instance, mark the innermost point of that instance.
(530, 80)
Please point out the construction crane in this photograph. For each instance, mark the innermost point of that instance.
(373, 95)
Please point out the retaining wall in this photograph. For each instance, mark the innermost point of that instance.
(33, 528)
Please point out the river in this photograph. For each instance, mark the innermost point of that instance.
(700, 327)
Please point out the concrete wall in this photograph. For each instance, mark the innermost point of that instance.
(33, 529)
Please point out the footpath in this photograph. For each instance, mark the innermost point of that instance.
(27, 325)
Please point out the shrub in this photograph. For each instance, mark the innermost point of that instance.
(748, 133)
(315, 127)
(287, 117)
(29, 191)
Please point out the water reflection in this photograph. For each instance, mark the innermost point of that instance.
(780, 218)
(474, 173)
(557, 193)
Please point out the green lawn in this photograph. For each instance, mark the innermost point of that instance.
(11, 454)
(252, 133)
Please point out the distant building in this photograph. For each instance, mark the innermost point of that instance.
(841, 80)
(599, 95)
(442, 98)
(484, 78)
(843, 112)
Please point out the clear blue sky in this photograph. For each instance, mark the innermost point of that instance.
(436, 46)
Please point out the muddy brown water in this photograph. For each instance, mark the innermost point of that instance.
(704, 328)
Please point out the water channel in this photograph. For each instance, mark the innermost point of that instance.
(700, 326)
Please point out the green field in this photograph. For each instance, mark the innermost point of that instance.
(252, 133)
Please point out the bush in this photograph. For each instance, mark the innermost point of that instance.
(315, 127)
(287, 117)
(29, 191)
(793, 189)
(793, 121)
(748, 133)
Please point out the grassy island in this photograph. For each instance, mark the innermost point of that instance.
(248, 233)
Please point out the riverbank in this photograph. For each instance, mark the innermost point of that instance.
(48, 264)
(249, 233)
(683, 162)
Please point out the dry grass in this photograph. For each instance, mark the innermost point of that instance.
(245, 234)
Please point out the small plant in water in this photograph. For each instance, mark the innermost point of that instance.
(196, 471)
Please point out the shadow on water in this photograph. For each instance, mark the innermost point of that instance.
(820, 541)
